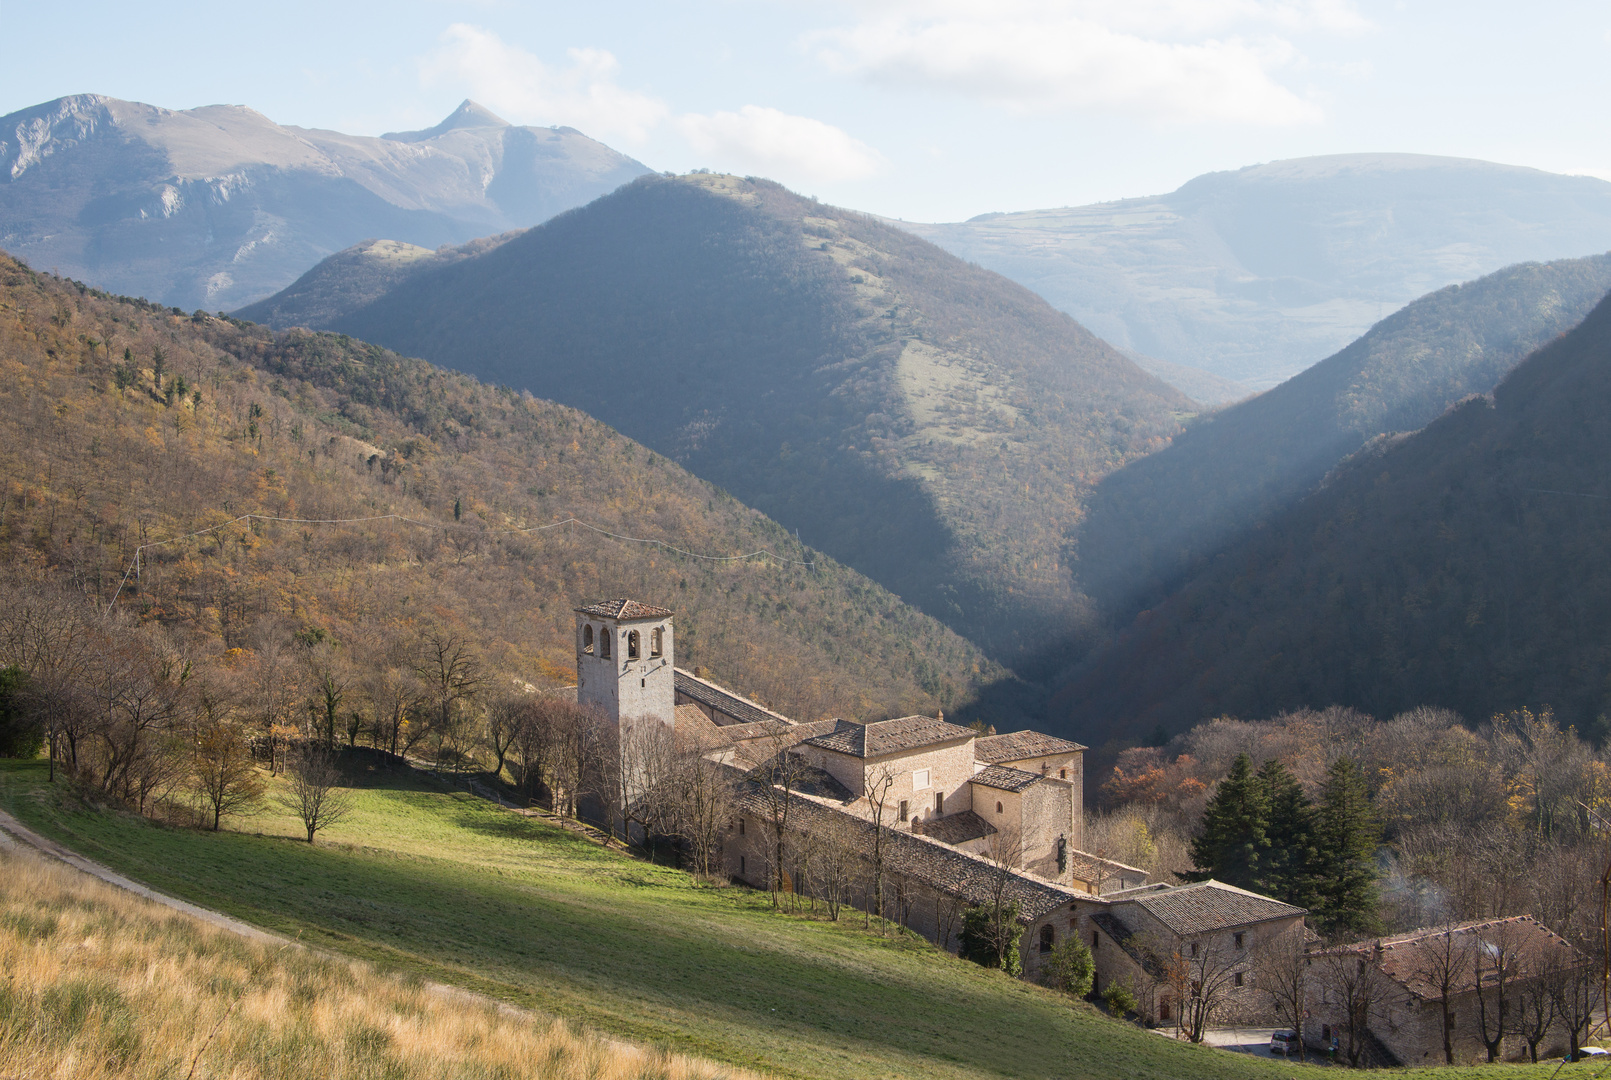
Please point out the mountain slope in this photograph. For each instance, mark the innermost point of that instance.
(1256, 274)
(927, 422)
(1462, 566)
(218, 206)
(1153, 521)
(98, 460)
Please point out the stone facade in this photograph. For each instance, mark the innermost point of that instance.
(624, 661)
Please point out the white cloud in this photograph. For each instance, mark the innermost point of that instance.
(1161, 60)
(508, 79)
(779, 144)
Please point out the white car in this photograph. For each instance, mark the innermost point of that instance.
(1589, 1053)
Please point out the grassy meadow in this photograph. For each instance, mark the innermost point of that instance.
(102, 985)
(429, 882)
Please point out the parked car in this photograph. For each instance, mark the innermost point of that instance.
(1284, 1043)
(1589, 1053)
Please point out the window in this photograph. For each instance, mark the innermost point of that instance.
(741, 864)
(1096, 939)
(998, 808)
(1238, 978)
(604, 643)
(1062, 774)
(1240, 936)
(1194, 948)
(657, 641)
(741, 826)
(920, 779)
(939, 802)
(587, 639)
(632, 645)
(1046, 936)
(904, 813)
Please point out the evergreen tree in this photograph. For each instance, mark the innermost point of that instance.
(1347, 837)
(1234, 845)
(1289, 870)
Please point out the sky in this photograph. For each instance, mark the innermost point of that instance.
(928, 111)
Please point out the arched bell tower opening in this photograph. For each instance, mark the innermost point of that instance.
(624, 658)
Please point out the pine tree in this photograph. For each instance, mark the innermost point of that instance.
(1234, 844)
(1347, 838)
(1289, 870)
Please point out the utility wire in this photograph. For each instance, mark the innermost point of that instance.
(139, 552)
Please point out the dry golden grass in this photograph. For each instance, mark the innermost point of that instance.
(101, 985)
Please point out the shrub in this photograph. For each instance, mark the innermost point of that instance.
(1119, 998)
(1070, 967)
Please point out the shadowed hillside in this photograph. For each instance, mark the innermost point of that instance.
(1157, 521)
(1461, 566)
(927, 422)
(124, 424)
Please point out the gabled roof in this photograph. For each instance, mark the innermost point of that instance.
(1413, 960)
(1020, 746)
(622, 608)
(883, 737)
(1002, 778)
(955, 828)
(723, 700)
(1210, 905)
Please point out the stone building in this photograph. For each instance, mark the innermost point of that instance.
(1405, 1024)
(1164, 941)
(945, 817)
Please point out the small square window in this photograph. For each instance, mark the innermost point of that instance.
(1239, 938)
(1194, 948)
(1238, 978)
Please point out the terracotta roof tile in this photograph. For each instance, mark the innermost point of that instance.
(1020, 746)
(622, 608)
(883, 737)
(1409, 959)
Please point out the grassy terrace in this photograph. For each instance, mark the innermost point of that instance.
(452, 888)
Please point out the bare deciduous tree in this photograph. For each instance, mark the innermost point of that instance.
(1351, 980)
(1443, 962)
(314, 791)
(223, 774)
(1281, 973)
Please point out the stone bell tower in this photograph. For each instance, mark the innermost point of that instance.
(624, 652)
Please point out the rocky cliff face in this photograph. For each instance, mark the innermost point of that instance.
(219, 206)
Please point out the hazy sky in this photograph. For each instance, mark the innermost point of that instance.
(929, 111)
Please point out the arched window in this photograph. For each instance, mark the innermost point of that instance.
(998, 808)
(604, 642)
(587, 639)
(657, 642)
(632, 644)
(1046, 936)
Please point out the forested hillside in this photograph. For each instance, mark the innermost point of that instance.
(1461, 566)
(925, 421)
(1157, 521)
(127, 424)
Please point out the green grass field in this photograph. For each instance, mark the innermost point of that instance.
(455, 889)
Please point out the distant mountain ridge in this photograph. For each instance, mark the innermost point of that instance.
(1460, 566)
(219, 206)
(1256, 274)
(1154, 523)
(928, 422)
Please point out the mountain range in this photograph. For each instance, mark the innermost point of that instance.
(928, 422)
(1462, 566)
(1254, 275)
(484, 516)
(1156, 521)
(215, 207)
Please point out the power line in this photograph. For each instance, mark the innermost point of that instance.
(1574, 494)
(139, 552)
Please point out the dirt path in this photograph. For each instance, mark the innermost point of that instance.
(14, 834)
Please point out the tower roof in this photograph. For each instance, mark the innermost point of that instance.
(622, 608)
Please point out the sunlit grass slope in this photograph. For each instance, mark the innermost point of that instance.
(100, 984)
(449, 887)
